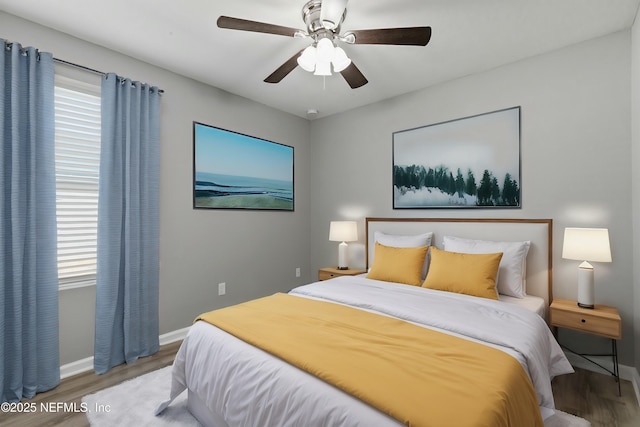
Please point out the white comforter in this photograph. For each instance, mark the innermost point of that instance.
(248, 387)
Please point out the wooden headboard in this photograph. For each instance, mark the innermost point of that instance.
(538, 231)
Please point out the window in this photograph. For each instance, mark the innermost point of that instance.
(77, 154)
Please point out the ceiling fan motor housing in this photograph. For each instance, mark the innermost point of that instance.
(312, 16)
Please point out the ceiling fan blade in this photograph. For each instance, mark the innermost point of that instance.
(284, 69)
(413, 36)
(331, 12)
(354, 76)
(255, 26)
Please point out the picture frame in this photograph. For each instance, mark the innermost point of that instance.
(470, 162)
(232, 170)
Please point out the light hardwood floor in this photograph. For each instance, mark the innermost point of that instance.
(594, 397)
(586, 394)
(73, 388)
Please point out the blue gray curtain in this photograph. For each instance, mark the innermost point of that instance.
(29, 353)
(128, 203)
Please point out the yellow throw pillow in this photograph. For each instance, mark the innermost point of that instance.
(471, 274)
(401, 265)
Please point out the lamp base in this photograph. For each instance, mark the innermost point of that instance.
(342, 256)
(590, 306)
(586, 297)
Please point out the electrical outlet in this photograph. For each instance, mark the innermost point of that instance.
(298, 272)
(222, 288)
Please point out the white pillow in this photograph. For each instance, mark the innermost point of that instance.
(403, 241)
(513, 266)
(406, 241)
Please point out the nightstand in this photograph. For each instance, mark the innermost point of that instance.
(602, 320)
(327, 273)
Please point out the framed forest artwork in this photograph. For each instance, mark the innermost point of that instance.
(472, 162)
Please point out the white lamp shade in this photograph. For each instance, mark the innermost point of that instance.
(308, 59)
(340, 60)
(323, 69)
(319, 58)
(325, 50)
(343, 231)
(586, 244)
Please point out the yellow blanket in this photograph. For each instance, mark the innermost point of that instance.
(418, 376)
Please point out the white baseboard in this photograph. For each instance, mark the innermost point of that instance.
(75, 368)
(173, 336)
(636, 384)
(628, 373)
(86, 364)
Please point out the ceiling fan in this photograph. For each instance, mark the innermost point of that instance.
(323, 19)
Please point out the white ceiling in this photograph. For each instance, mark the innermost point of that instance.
(469, 36)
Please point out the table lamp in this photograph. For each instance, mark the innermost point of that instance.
(343, 231)
(586, 244)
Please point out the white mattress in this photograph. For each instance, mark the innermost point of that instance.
(243, 385)
(530, 302)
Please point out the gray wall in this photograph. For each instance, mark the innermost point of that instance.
(635, 177)
(575, 151)
(255, 253)
(576, 169)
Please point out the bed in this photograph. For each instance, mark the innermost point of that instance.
(231, 382)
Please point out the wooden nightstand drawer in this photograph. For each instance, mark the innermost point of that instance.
(604, 321)
(326, 275)
(595, 325)
(331, 272)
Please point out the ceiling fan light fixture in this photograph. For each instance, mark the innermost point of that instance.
(325, 50)
(308, 59)
(323, 68)
(340, 60)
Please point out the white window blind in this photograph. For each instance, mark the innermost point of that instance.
(77, 153)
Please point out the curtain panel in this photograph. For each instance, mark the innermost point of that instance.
(128, 204)
(29, 352)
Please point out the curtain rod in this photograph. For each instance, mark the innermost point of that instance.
(91, 70)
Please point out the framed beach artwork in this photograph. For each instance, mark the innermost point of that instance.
(236, 171)
(473, 162)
